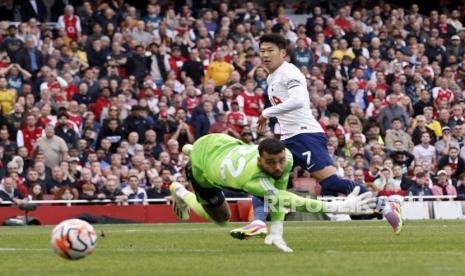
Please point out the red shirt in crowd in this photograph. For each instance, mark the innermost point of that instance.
(191, 103)
(176, 65)
(246, 100)
(238, 119)
(29, 137)
(71, 26)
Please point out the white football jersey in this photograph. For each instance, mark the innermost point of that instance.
(287, 90)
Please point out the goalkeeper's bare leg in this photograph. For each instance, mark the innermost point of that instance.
(183, 200)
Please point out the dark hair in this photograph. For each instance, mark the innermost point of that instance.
(271, 146)
(62, 114)
(276, 39)
(396, 119)
(133, 176)
(420, 175)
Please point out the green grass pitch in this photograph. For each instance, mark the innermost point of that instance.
(335, 248)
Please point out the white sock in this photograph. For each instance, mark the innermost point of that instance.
(386, 209)
(259, 222)
(181, 191)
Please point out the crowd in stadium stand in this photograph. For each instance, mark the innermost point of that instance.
(98, 102)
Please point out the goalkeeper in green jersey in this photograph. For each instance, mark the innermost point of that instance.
(221, 162)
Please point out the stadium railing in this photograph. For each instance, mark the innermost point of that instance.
(162, 200)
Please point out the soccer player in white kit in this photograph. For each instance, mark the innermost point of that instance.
(301, 134)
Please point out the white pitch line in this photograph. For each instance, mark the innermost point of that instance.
(123, 250)
(292, 226)
(335, 252)
(24, 249)
(170, 250)
(288, 227)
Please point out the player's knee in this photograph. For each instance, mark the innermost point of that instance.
(222, 219)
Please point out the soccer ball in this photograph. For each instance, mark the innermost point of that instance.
(73, 239)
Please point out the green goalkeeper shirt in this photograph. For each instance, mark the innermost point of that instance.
(221, 161)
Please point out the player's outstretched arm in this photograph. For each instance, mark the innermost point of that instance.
(353, 204)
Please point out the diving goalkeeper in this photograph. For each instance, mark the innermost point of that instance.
(221, 162)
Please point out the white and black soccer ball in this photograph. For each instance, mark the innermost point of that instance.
(73, 239)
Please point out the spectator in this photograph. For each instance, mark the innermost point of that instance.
(29, 57)
(7, 96)
(236, 117)
(420, 186)
(12, 44)
(401, 157)
(202, 118)
(32, 9)
(151, 139)
(57, 181)
(70, 23)
(393, 110)
(53, 147)
(88, 192)
(137, 122)
(156, 190)
(9, 192)
(112, 191)
(134, 192)
(192, 68)
(339, 106)
(184, 133)
(385, 183)
(67, 131)
(65, 193)
(431, 123)
(251, 102)
(401, 179)
(112, 131)
(219, 70)
(9, 146)
(396, 133)
(443, 187)
(36, 192)
(420, 129)
(422, 103)
(454, 161)
(136, 65)
(32, 179)
(443, 145)
(303, 56)
(223, 126)
(424, 151)
(158, 64)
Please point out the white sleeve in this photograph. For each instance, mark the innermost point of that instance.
(61, 22)
(297, 91)
(240, 101)
(245, 122)
(78, 24)
(435, 92)
(20, 139)
(62, 81)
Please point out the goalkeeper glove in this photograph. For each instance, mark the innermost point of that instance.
(354, 204)
(276, 237)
